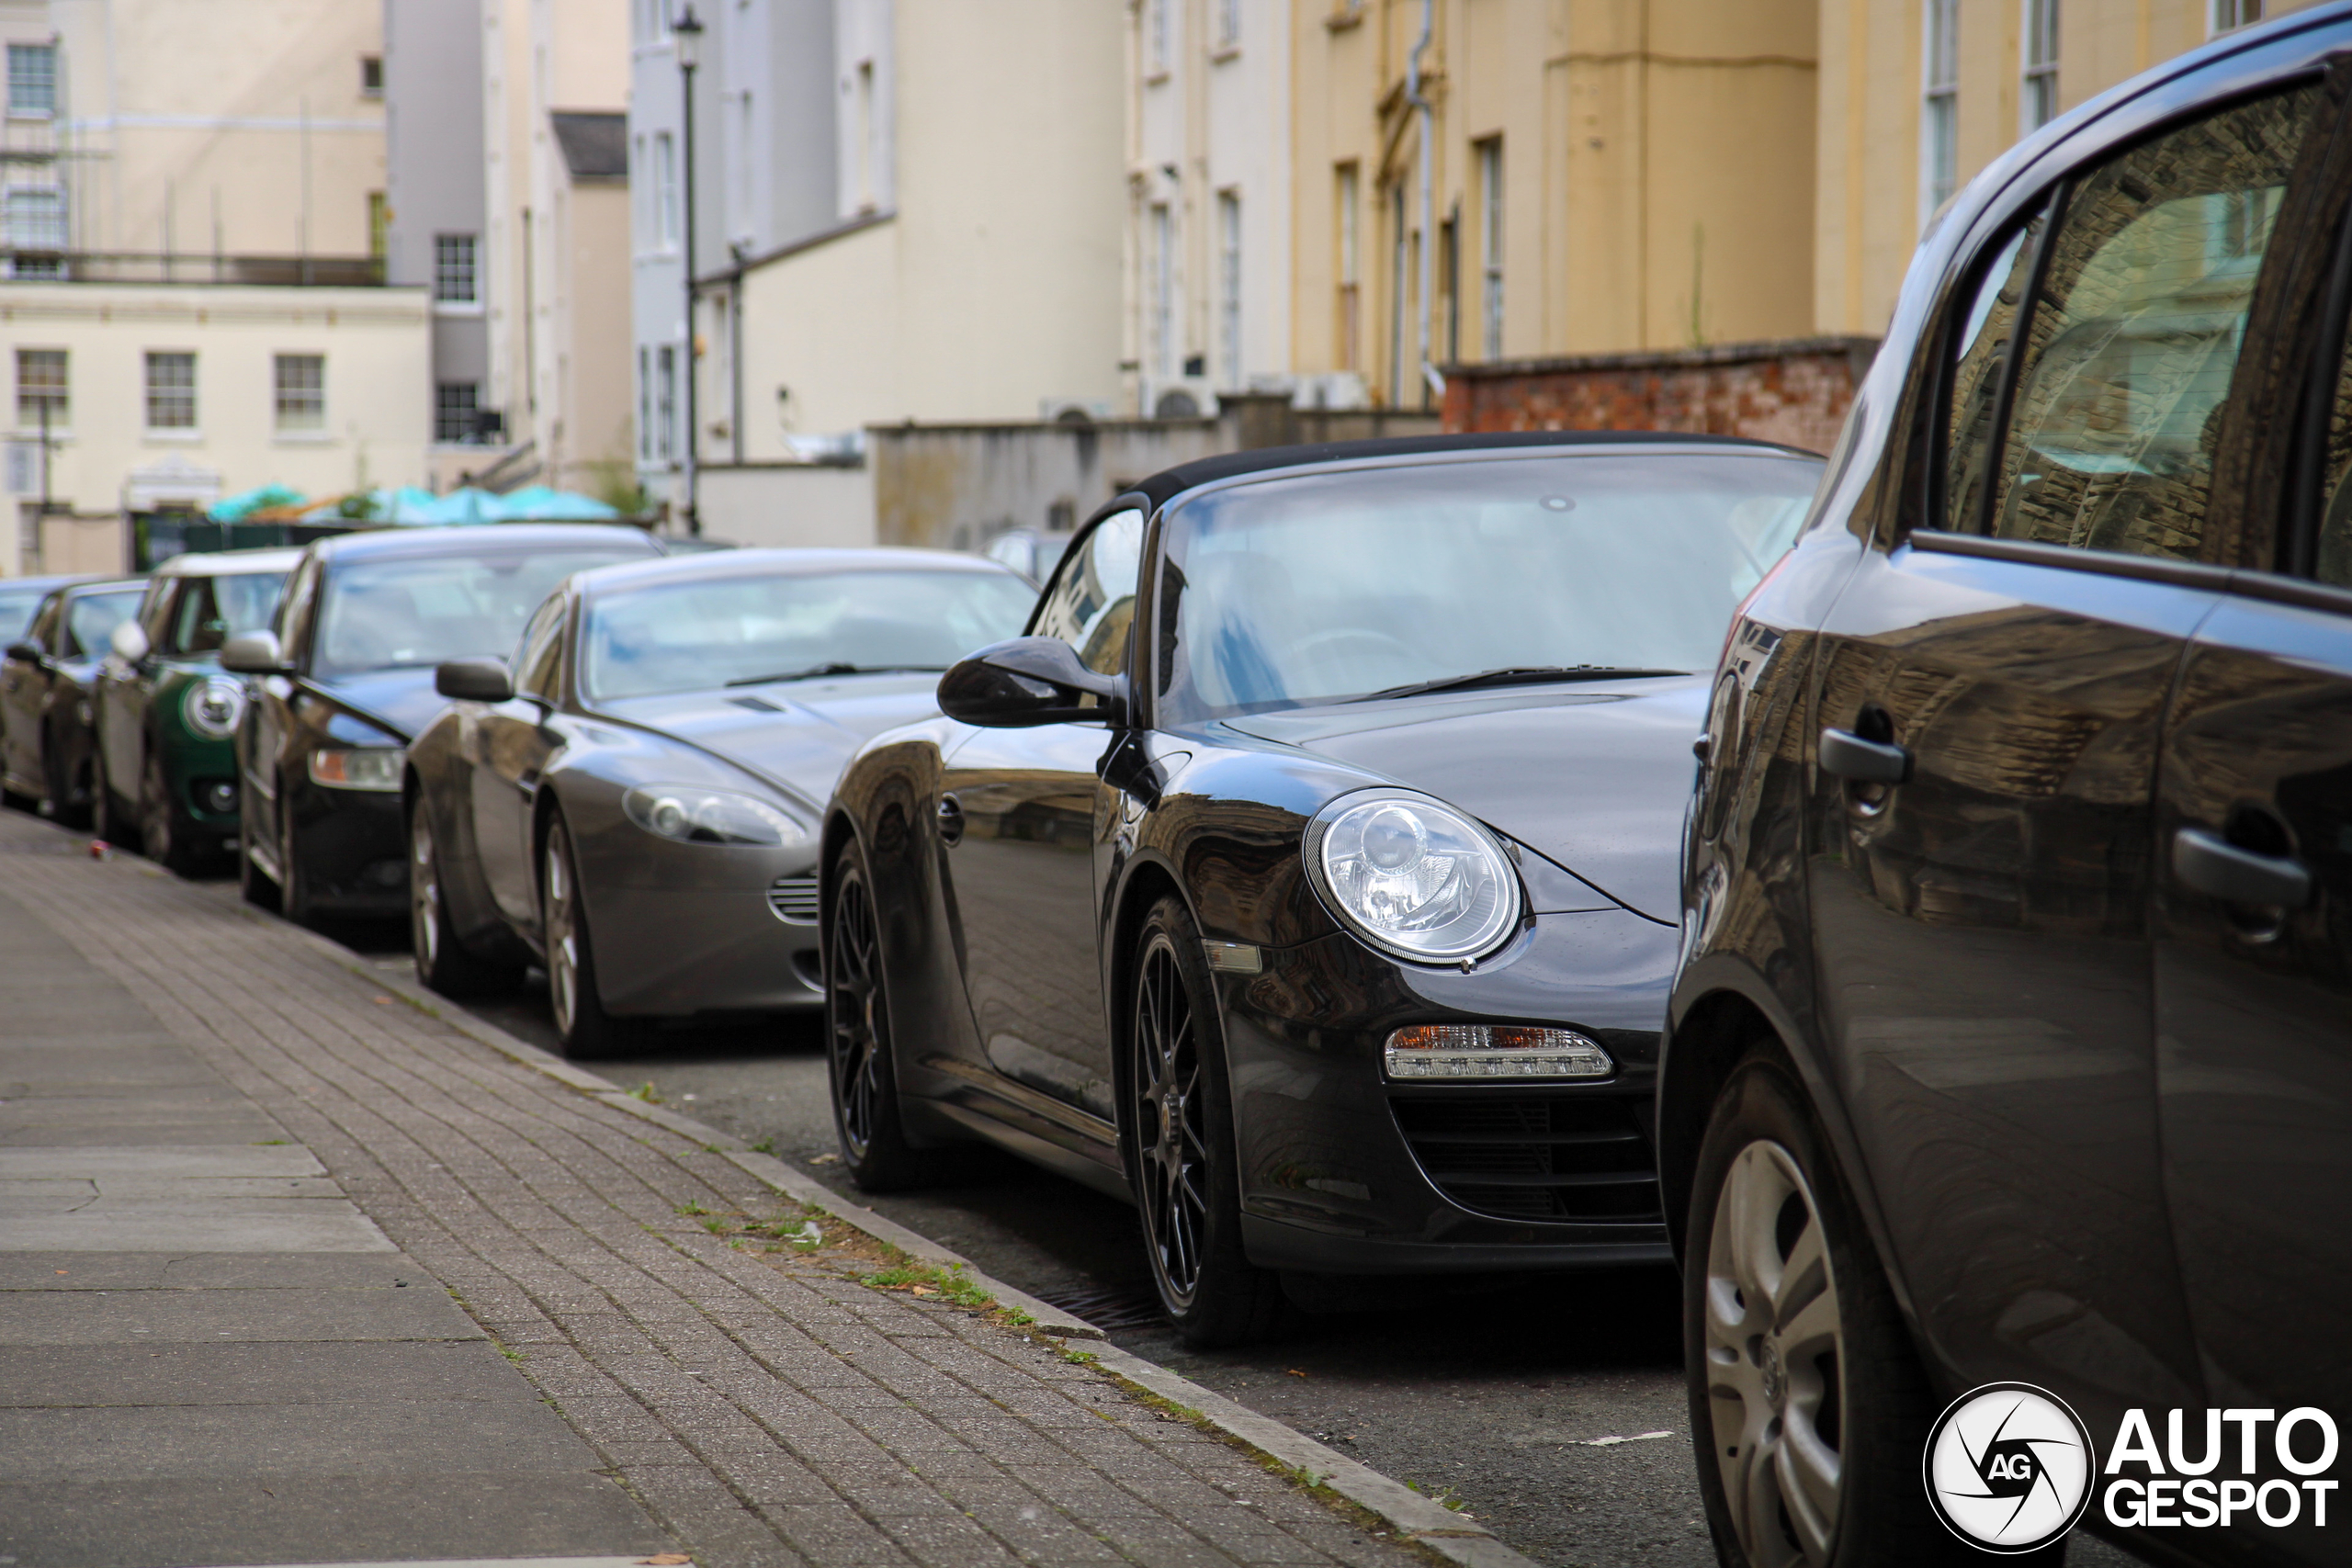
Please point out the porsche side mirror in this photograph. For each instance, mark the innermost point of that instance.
(474, 680)
(253, 653)
(26, 651)
(129, 644)
(1029, 681)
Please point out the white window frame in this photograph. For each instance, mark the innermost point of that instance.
(297, 411)
(666, 225)
(1939, 104)
(2229, 15)
(448, 272)
(1159, 288)
(1229, 283)
(34, 218)
(1491, 246)
(29, 397)
(154, 391)
(31, 49)
(2038, 39)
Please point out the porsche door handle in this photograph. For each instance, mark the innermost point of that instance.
(951, 821)
(2210, 863)
(1849, 756)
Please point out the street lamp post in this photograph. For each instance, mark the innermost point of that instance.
(688, 30)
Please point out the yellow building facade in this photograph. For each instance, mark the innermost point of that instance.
(1505, 180)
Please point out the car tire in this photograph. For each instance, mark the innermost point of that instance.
(254, 884)
(444, 962)
(1180, 1148)
(165, 835)
(107, 823)
(582, 1027)
(861, 1059)
(63, 808)
(1809, 1408)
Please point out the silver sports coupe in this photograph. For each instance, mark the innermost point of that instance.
(632, 801)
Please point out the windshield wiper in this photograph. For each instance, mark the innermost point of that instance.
(836, 666)
(1513, 675)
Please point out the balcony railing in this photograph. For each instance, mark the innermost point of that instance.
(123, 266)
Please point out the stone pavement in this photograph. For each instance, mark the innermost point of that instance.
(293, 1272)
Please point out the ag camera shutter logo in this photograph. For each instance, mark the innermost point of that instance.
(2009, 1468)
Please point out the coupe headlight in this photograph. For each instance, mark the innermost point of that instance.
(213, 707)
(358, 767)
(692, 816)
(1412, 875)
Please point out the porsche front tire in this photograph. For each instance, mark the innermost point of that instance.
(861, 1063)
(585, 1030)
(444, 962)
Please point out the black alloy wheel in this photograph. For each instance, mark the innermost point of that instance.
(444, 962)
(165, 835)
(1808, 1402)
(1181, 1148)
(584, 1029)
(863, 1072)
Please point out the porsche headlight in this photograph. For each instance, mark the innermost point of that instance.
(1412, 875)
(694, 816)
(374, 768)
(213, 707)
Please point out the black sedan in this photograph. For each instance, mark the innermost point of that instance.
(633, 801)
(48, 742)
(2009, 1063)
(1309, 869)
(345, 677)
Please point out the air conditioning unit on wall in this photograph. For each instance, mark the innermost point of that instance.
(1178, 397)
(1073, 410)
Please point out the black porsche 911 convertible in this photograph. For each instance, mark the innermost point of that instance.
(1308, 872)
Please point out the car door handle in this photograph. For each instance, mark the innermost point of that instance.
(951, 820)
(1849, 756)
(2210, 863)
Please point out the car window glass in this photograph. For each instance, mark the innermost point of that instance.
(17, 608)
(540, 654)
(154, 607)
(2135, 333)
(292, 619)
(1093, 601)
(211, 610)
(92, 617)
(1979, 349)
(2332, 562)
(404, 611)
(44, 627)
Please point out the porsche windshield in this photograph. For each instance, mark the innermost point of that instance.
(748, 631)
(1326, 587)
(383, 614)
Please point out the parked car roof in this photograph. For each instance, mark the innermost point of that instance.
(224, 563)
(707, 566)
(472, 540)
(1169, 483)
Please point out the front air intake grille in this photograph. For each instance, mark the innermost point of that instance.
(795, 900)
(1524, 1157)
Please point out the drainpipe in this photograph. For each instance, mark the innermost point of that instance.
(1430, 379)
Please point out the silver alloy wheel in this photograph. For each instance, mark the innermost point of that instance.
(562, 933)
(423, 891)
(1171, 1125)
(1775, 1346)
(857, 1017)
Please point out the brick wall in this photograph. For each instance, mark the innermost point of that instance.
(1795, 391)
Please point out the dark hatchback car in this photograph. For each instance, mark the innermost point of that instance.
(1309, 869)
(344, 679)
(2012, 1040)
(47, 679)
(633, 799)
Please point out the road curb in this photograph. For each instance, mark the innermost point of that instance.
(1416, 1519)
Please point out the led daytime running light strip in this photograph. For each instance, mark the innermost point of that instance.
(1493, 1051)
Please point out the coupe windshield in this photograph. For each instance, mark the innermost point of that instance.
(1321, 588)
(384, 615)
(688, 636)
(18, 608)
(214, 609)
(91, 619)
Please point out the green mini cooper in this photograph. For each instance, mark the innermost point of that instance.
(166, 773)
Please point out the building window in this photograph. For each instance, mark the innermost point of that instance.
(453, 269)
(665, 190)
(746, 159)
(171, 391)
(1350, 301)
(1939, 110)
(1229, 285)
(41, 389)
(644, 407)
(371, 75)
(2037, 100)
(1399, 252)
(301, 391)
(455, 403)
(1160, 289)
(665, 402)
(1490, 247)
(379, 226)
(32, 79)
(2227, 15)
(1229, 24)
(1155, 25)
(36, 219)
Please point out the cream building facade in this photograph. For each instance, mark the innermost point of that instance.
(191, 222)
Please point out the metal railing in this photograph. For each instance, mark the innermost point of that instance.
(27, 264)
